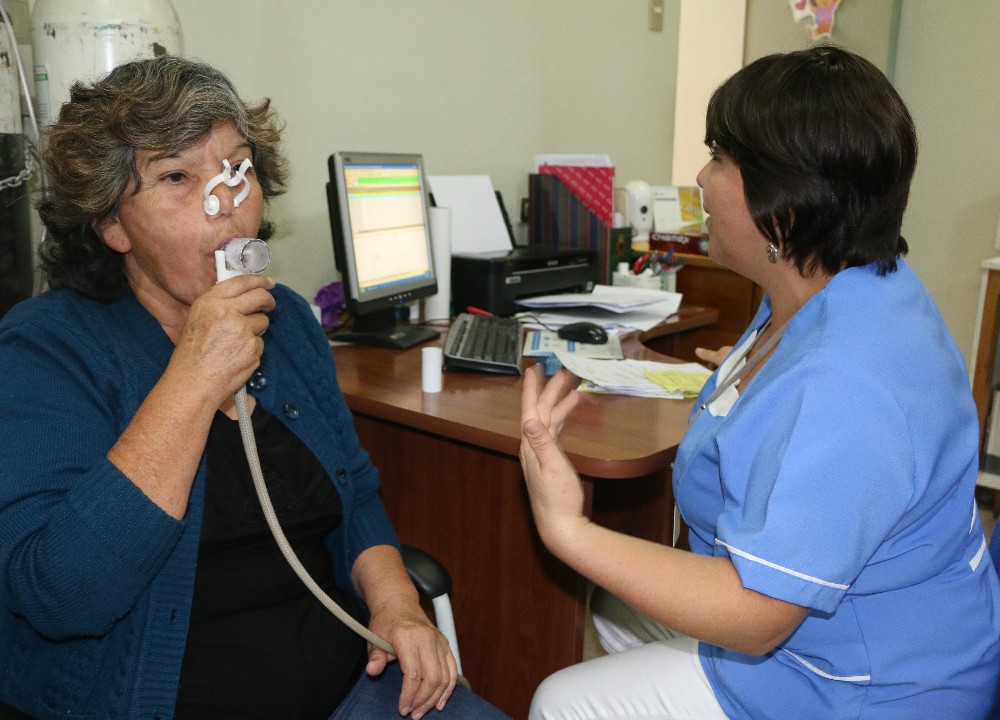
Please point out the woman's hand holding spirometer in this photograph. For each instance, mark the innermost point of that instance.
(215, 352)
(220, 343)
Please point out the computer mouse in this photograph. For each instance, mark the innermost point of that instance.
(583, 332)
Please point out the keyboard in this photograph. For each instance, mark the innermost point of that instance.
(484, 342)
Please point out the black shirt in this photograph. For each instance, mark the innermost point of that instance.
(260, 645)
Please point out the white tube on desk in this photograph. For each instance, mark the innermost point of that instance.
(432, 360)
(438, 307)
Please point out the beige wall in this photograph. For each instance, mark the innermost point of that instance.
(710, 49)
(862, 26)
(489, 84)
(492, 83)
(477, 87)
(947, 68)
(948, 71)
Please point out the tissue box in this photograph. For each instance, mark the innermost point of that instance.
(691, 241)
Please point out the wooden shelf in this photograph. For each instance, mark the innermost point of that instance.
(704, 282)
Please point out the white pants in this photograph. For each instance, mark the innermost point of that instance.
(651, 672)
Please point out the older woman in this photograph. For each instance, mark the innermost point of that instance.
(838, 566)
(139, 579)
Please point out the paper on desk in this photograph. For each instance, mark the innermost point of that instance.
(687, 383)
(610, 307)
(617, 301)
(626, 377)
(477, 225)
(645, 318)
(608, 297)
(541, 343)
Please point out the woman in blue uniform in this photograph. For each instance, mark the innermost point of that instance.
(827, 477)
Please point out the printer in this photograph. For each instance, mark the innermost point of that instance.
(495, 281)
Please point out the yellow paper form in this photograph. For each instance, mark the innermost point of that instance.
(687, 383)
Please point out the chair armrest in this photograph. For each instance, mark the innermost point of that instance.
(429, 575)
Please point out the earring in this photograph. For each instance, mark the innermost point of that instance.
(772, 252)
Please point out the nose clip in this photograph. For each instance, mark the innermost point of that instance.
(229, 177)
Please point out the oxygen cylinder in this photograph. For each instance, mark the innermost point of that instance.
(84, 39)
(15, 241)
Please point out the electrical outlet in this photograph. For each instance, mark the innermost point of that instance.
(656, 15)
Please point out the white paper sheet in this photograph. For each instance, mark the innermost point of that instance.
(607, 297)
(477, 225)
(624, 377)
(610, 307)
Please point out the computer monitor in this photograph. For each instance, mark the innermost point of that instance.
(379, 215)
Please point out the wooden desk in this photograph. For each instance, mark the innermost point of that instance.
(703, 281)
(452, 484)
(682, 333)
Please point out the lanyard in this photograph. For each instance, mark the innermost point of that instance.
(751, 363)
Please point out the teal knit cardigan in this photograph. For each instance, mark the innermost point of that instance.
(96, 581)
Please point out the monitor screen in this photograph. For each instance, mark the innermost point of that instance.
(379, 215)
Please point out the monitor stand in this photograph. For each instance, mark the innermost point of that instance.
(381, 330)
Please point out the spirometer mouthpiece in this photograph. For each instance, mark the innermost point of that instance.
(249, 255)
(241, 256)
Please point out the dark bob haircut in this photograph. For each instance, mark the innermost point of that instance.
(826, 149)
(164, 105)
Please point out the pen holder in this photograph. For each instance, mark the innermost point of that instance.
(664, 281)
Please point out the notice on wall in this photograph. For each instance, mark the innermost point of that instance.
(821, 15)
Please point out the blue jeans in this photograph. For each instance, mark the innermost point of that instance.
(378, 699)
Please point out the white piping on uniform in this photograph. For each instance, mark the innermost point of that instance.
(828, 676)
(789, 571)
(974, 562)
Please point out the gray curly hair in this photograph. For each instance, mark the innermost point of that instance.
(163, 105)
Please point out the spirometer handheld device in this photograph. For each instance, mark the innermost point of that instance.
(241, 256)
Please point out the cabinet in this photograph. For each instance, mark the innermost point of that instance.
(985, 348)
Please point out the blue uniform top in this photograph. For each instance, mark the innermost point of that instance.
(842, 480)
